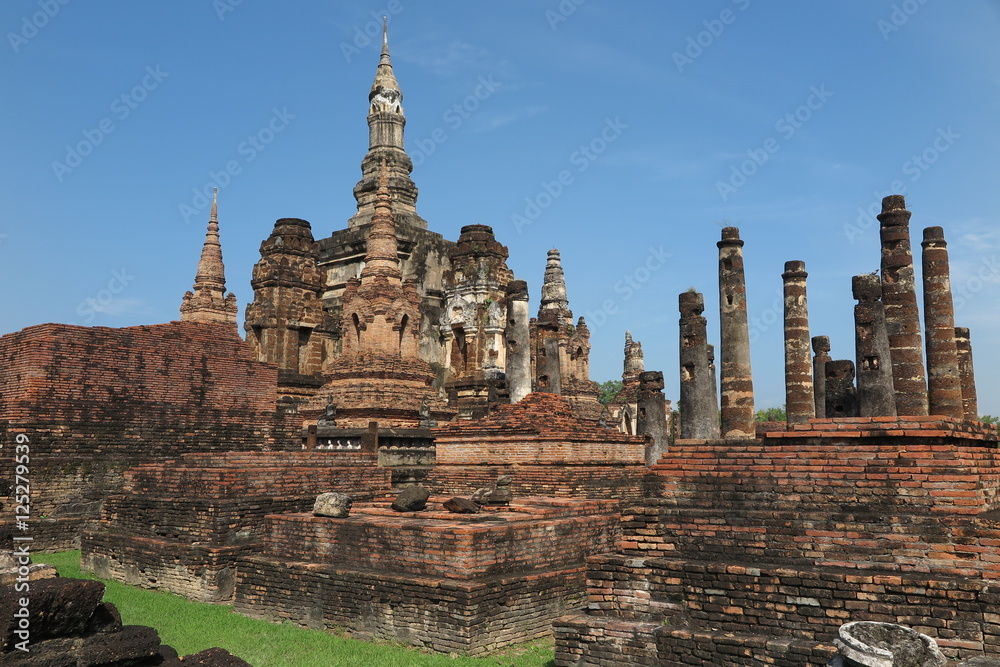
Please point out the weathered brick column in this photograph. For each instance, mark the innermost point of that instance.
(736, 377)
(970, 402)
(944, 386)
(699, 416)
(821, 348)
(799, 400)
(871, 343)
(652, 420)
(713, 390)
(899, 298)
(518, 342)
(841, 396)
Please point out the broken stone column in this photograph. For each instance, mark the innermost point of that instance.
(871, 343)
(970, 403)
(874, 644)
(518, 342)
(652, 420)
(841, 396)
(821, 348)
(737, 378)
(899, 298)
(713, 390)
(800, 404)
(944, 386)
(699, 415)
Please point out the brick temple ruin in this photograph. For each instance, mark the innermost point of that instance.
(386, 357)
(878, 500)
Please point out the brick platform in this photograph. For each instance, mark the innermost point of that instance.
(182, 525)
(95, 401)
(757, 551)
(466, 583)
(545, 447)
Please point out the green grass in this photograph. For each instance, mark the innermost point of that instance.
(191, 627)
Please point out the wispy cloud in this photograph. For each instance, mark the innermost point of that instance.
(498, 120)
(120, 306)
(451, 58)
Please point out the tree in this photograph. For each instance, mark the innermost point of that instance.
(610, 391)
(771, 415)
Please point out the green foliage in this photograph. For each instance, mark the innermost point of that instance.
(771, 415)
(610, 391)
(989, 419)
(191, 627)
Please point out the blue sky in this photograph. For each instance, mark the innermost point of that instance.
(625, 134)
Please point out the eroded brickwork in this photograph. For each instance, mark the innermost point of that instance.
(761, 550)
(96, 401)
(286, 324)
(465, 583)
(182, 524)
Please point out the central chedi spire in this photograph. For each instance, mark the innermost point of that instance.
(386, 121)
(379, 374)
(209, 301)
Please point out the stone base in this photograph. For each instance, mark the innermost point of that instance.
(47, 534)
(436, 613)
(611, 642)
(469, 583)
(621, 482)
(197, 572)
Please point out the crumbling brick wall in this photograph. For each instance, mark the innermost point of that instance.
(95, 401)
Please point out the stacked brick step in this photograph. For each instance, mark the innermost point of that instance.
(468, 583)
(183, 524)
(757, 551)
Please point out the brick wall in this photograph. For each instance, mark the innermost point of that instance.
(802, 603)
(539, 534)
(623, 482)
(540, 429)
(182, 524)
(462, 617)
(521, 449)
(757, 551)
(465, 583)
(95, 401)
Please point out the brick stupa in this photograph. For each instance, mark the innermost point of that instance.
(380, 374)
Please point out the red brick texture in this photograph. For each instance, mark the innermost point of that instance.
(758, 551)
(182, 524)
(95, 401)
(467, 583)
(545, 448)
(622, 482)
(532, 534)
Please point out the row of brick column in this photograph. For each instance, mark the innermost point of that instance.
(889, 363)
